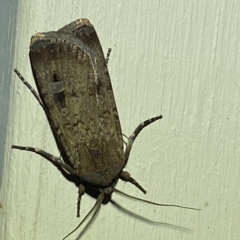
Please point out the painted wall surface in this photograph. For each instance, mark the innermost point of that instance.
(177, 58)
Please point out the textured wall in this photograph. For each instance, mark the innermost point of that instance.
(177, 58)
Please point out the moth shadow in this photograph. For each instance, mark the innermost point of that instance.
(135, 216)
(148, 221)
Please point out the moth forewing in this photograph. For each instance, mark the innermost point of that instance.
(75, 88)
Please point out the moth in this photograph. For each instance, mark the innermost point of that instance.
(75, 91)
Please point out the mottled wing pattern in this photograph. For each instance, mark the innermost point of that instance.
(85, 31)
(74, 85)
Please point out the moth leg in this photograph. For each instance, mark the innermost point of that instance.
(125, 176)
(56, 160)
(93, 211)
(135, 134)
(33, 91)
(81, 191)
(108, 55)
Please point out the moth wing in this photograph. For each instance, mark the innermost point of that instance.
(75, 88)
(71, 27)
(84, 31)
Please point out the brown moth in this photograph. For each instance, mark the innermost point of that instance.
(75, 91)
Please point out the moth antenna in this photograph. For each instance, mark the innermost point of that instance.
(33, 91)
(125, 143)
(125, 136)
(108, 55)
(163, 224)
(124, 140)
(94, 210)
(153, 203)
(135, 134)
